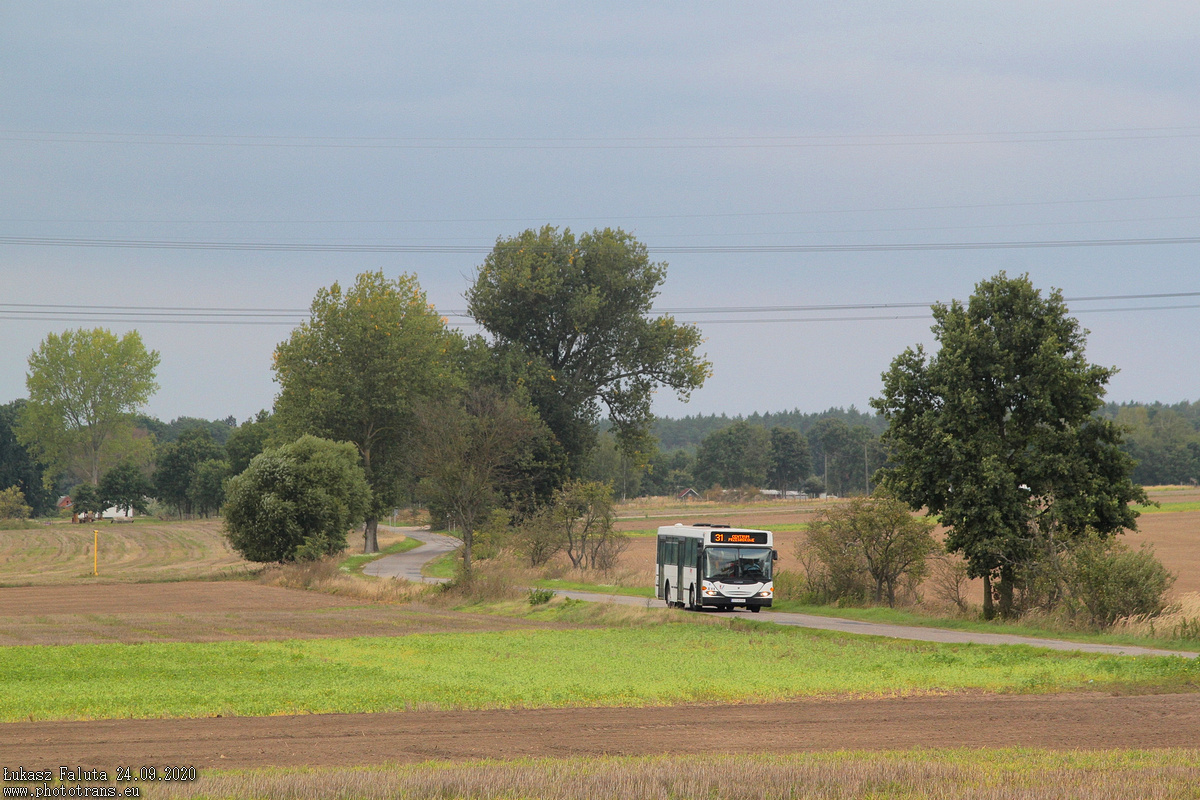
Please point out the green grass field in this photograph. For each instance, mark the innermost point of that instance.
(1168, 507)
(729, 663)
(959, 773)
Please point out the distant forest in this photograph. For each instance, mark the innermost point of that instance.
(1163, 439)
(840, 450)
(687, 433)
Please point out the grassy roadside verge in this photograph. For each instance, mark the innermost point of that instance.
(618, 666)
(896, 616)
(958, 773)
(444, 566)
(572, 586)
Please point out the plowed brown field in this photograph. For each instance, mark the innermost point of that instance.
(212, 611)
(1076, 721)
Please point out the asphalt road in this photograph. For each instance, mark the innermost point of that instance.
(408, 566)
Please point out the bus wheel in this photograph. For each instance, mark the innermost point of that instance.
(756, 609)
(667, 594)
(691, 598)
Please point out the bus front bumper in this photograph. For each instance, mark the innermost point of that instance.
(734, 602)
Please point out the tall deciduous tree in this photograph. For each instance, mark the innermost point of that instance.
(249, 440)
(353, 372)
(739, 455)
(84, 387)
(125, 488)
(178, 464)
(573, 317)
(466, 451)
(996, 433)
(790, 459)
(17, 466)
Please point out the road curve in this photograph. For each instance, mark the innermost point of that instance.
(408, 565)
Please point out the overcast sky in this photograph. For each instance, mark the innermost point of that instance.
(242, 155)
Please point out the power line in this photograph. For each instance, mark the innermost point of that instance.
(730, 234)
(6, 316)
(601, 143)
(594, 218)
(916, 316)
(180, 315)
(317, 247)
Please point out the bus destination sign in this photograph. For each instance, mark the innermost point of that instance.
(739, 537)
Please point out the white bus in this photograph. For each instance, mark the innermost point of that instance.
(714, 566)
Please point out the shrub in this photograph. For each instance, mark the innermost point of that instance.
(297, 501)
(583, 513)
(539, 538)
(790, 586)
(866, 547)
(948, 580)
(484, 585)
(538, 597)
(1110, 581)
(13, 505)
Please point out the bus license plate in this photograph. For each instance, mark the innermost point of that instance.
(738, 601)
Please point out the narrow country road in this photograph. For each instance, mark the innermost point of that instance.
(408, 566)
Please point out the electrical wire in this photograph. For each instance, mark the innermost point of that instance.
(623, 217)
(318, 247)
(179, 315)
(600, 143)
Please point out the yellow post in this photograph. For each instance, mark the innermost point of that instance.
(96, 553)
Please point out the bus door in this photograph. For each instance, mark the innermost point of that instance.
(671, 560)
(677, 583)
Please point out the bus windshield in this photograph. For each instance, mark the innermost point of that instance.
(737, 564)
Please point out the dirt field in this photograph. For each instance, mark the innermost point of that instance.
(1055, 721)
(212, 611)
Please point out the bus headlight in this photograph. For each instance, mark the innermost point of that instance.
(765, 593)
(710, 591)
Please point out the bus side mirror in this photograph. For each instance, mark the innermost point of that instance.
(774, 555)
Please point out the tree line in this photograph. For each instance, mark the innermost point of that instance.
(830, 456)
(465, 424)
(844, 450)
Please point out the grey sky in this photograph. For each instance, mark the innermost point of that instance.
(698, 124)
